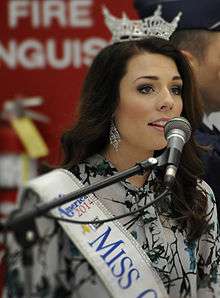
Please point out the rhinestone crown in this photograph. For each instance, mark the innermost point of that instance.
(154, 26)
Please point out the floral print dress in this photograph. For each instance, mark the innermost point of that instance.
(187, 269)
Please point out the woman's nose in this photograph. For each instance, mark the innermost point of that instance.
(166, 102)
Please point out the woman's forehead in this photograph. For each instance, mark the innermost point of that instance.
(152, 64)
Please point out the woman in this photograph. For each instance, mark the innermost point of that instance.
(132, 89)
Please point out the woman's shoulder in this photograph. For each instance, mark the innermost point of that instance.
(207, 190)
(204, 186)
(89, 162)
(96, 165)
(93, 168)
(211, 203)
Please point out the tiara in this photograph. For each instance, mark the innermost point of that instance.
(125, 29)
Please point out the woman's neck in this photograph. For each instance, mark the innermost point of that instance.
(123, 159)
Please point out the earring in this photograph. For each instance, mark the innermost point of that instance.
(114, 136)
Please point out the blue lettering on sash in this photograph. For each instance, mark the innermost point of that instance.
(121, 265)
(111, 246)
(146, 292)
(69, 210)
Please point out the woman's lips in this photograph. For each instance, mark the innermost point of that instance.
(159, 124)
(157, 127)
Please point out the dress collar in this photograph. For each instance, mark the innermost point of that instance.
(106, 168)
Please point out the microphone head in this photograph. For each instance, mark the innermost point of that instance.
(178, 123)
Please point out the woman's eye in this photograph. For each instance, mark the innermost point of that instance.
(145, 89)
(177, 90)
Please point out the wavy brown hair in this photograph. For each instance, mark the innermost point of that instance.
(98, 102)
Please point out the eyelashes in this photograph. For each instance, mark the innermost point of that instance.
(145, 89)
(176, 90)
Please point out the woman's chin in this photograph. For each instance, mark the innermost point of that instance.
(160, 146)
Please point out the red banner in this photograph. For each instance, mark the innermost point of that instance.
(45, 50)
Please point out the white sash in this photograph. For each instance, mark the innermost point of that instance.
(122, 265)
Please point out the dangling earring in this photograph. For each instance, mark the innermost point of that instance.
(114, 136)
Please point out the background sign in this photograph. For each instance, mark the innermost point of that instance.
(45, 50)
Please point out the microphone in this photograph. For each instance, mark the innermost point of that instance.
(177, 132)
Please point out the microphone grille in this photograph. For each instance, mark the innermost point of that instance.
(178, 123)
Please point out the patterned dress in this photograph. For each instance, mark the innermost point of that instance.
(187, 269)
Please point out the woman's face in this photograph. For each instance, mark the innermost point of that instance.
(150, 95)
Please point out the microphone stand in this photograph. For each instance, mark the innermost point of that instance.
(23, 223)
(26, 235)
(42, 208)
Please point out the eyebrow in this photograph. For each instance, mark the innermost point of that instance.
(156, 78)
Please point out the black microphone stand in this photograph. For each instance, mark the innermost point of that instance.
(22, 224)
(40, 209)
